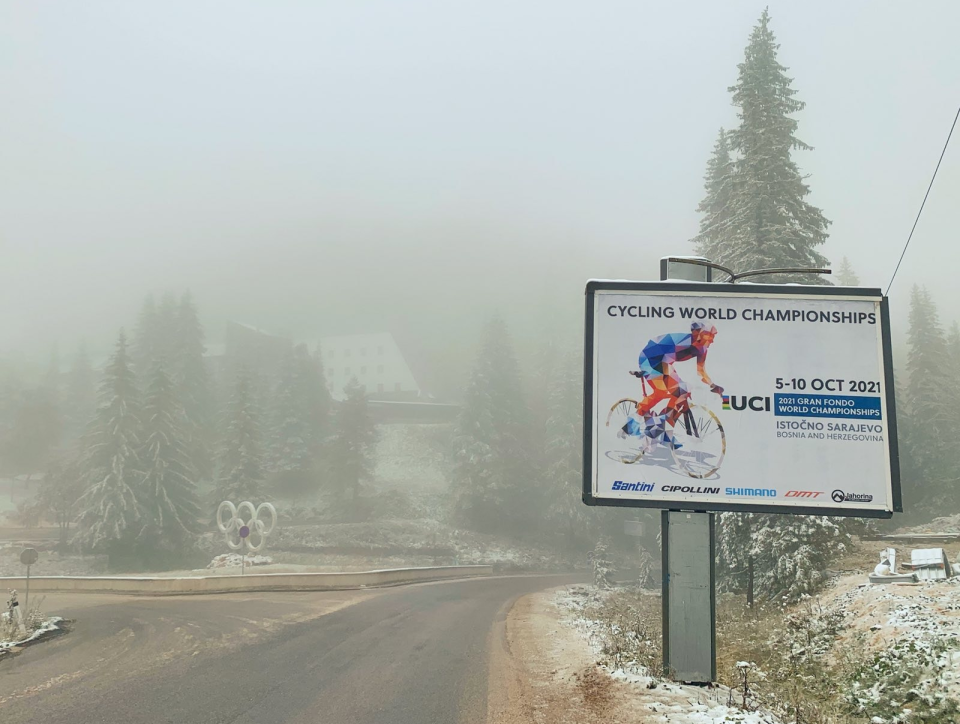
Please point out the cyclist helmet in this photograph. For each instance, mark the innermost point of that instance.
(702, 334)
(701, 327)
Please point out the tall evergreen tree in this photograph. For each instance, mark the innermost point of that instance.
(168, 488)
(928, 399)
(351, 447)
(492, 469)
(715, 209)
(144, 348)
(192, 381)
(846, 276)
(80, 399)
(291, 456)
(111, 466)
(770, 222)
(241, 474)
(564, 434)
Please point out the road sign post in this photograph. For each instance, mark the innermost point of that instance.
(798, 388)
(28, 556)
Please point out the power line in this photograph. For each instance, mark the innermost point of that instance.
(932, 179)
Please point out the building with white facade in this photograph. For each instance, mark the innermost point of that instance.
(375, 360)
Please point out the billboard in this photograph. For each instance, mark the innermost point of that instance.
(750, 397)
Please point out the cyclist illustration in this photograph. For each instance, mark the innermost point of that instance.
(665, 415)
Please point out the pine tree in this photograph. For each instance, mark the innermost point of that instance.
(57, 496)
(770, 222)
(351, 447)
(792, 552)
(564, 455)
(291, 455)
(846, 276)
(144, 349)
(111, 469)
(81, 395)
(241, 458)
(715, 208)
(492, 468)
(189, 371)
(168, 488)
(316, 395)
(928, 399)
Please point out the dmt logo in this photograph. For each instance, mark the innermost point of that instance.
(636, 487)
(803, 494)
(757, 403)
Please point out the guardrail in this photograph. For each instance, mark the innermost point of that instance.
(160, 586)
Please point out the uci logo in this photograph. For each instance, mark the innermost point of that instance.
(742, 402)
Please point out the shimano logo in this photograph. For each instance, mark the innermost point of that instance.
(838, 496)
(755, 492)
(634, 487)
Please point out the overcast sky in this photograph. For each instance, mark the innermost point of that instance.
(323, 167)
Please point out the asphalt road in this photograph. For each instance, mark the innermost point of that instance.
(410, 655)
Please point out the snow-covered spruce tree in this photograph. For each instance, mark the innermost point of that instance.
(734, 550)
(292, 454)
(143, 349)
(351, 447)
(792, 552)
(492, 471)
(110, 511)
(770, 223)
(80, 398)
(573, 522)
(192, 381)
(715, 209)
(312, 387)
(929, 401)
(846, 276)
(168, 499)
(241, 464)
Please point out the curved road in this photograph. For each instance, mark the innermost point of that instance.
(410, 655)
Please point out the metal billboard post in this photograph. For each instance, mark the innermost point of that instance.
(688, 542)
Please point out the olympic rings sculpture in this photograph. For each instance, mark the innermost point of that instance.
(231, 518)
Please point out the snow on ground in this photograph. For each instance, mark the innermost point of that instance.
(905, 625)
(233, 560)
(663, 702)
(48, 626)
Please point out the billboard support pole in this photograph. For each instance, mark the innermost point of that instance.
(688, 542)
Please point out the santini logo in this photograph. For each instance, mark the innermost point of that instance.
(742, 402)
(637, 487)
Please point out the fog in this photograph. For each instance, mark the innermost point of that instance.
(320, 168)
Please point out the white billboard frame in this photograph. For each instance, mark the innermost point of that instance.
(592, 495)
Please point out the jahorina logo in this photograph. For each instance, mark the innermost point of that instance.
(838, 496)
(757, 403)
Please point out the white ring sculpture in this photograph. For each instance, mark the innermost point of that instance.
(236, 520)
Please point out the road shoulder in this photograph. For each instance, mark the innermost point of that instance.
(542, 671)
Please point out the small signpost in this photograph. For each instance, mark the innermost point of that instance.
(244, 533)
(28, 556)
